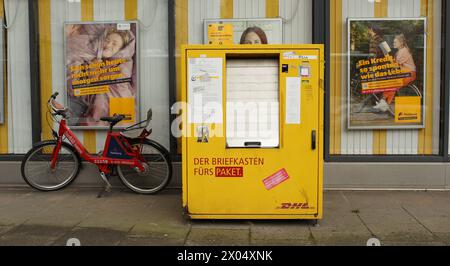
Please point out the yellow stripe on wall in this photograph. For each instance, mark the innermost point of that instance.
(425, 146)
(226, 8)
(45, 58)
(332, 76)
(131, 9)
(87, 10)
(336, 76)
(380, 136)
(4, 126)
(272, 8)
(89, 136)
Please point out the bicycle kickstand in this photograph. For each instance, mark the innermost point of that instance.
(108, 185)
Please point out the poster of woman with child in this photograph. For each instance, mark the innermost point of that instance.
(386, 73)
(101, 72)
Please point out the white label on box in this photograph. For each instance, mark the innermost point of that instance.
(123, 26)
(293, 100)
(293, 56)
(304, 71)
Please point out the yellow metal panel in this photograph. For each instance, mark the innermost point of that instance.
(87, 10)
(272, 8)
(226, 8)
(4, 127)
(426, 135)
(131, 9)
(45, 40)
(336, 77)
(299, 197)
(89, 136)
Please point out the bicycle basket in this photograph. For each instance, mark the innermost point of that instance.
(141, 129)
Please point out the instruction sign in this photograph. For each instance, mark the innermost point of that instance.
(221, 34)
(205, 90)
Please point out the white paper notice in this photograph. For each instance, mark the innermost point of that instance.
(293, 100)
(205, 90)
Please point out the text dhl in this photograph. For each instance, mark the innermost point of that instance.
(374, 61)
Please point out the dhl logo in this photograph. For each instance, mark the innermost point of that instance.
(295, 205)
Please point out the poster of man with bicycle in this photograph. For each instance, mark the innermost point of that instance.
(386, 73)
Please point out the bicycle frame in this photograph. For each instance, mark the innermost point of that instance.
(103, 162)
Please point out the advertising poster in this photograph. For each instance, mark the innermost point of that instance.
(243, 31)
(101, 72)
(386, 73)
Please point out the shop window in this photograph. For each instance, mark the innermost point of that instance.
(385, 77)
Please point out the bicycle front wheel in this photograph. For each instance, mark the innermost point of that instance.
(157, 169)
(40, 173)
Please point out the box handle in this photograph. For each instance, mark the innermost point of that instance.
(255, 144)
(313, 140)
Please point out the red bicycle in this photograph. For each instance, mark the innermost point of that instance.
(142, 165)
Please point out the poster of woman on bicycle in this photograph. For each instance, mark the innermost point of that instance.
(386, 73)
(101, 72)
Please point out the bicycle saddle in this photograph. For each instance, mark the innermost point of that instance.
(113, 119)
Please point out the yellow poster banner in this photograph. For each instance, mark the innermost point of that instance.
(408, 109)
(379, 86)
(90, 91)
(123, 106)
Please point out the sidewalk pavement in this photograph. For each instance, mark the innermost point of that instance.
(122, 218)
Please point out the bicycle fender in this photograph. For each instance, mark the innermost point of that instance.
(67, 145)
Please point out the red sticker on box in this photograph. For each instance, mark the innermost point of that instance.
(229, 171)
(276, 179)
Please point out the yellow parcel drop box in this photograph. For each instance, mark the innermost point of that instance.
(252, 141)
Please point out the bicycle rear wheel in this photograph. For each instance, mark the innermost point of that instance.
(157, 173)
(39, 173)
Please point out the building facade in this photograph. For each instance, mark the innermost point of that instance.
(376, 156)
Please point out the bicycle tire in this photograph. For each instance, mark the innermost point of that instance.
(66, 182)
(164, 155)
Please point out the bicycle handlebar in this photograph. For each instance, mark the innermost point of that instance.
(53, 97)
(57, 108)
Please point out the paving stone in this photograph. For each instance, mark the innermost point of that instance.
(444, 237)
(4, 229)
(125, 218)
(31, 235)
(27, 206)
(280, 242)
(220, 224)
(218, 237)
(92, 237)
(159, 231)
(145, 241)
(280, 230)
(411, 244)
